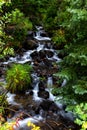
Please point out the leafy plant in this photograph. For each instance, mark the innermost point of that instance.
(13, 28)
(3, 106)
(17, 26)
(59, 38)
(74, 64)
(5, 40)
(18, 77)
(15, 124)
(80, 111)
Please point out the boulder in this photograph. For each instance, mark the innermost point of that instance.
(48, 105)
(30, 44)
(34, 55)
(42, 54)
(45, 104)
(43, 94)
(43, 33)
(41, 86)
(49, 53)
(48, 45)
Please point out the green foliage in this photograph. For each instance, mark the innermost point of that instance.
(3, 104)
(17, 26)
(34, 9)
(59, 38)
(80, 111)
(67, 74)
(15, 123)
(5, 40)
(74, 64)
(13, 28)
(18, 77)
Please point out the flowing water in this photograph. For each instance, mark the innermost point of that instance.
(28, 103)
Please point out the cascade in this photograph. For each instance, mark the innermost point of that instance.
(39, 37)
(34, 99)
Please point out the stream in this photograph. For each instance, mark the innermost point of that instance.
(38, 104)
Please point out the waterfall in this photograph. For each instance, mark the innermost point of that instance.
(27, 57)
(35, 93)
(39, 37)
(49, 82)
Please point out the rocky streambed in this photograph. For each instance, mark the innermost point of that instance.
(38, 104)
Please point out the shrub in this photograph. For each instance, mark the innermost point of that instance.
(18, 77)
(16, 25)
(80, 111)
(59, 38)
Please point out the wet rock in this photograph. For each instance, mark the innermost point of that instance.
(57, 82)
(37, 110)
(45, 105)
(43, 33)
(44, 72)
(34, 55)
(31, 92)
(45, 69)
(42, 54)
(37, 61)
(53, 107)
(32, 44)
(48, 45)
(43, 94)
(48, 105)
(47, 62)
(49, 53)
(41, 86)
